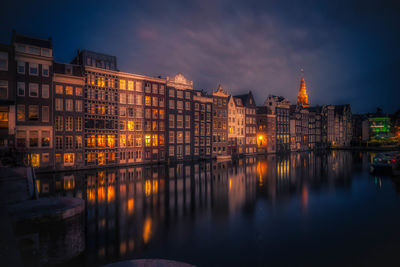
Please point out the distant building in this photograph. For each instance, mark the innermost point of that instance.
(202, 130)
(280, 107)
(302, 98)
(236, 126)
(220, 122)
(379, 126)
(266, 130)
(250, 122)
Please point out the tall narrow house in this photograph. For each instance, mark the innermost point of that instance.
(34, 124)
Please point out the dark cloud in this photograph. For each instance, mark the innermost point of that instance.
(349, 49)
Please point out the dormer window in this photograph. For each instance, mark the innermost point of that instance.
(34, 50)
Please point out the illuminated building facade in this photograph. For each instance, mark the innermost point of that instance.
(131, 118)
(262, 128)
(180, 123)
(379, 127)
(236, 126)
(7, 97)
(202, 130)
(302, 98)
(34, 100)
(68, 84)
(250, 122)
(101, 108)
(220, 122)
(343, 125)
(154, 119)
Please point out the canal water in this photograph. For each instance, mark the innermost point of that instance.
(302, 209)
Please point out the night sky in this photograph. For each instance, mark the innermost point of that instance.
(349, 50)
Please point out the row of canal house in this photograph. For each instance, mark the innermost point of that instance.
(88, 113)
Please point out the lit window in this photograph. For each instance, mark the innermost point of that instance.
(130, 85)
(33, 90)
(69, 159)
(101, 141)
(122, 84)
(148, 140)
(45, 138)
(147, 100)
(59, 89)
(33, 69)
(78, 141)
(155, 140)
(69, 90)
(33, 112)
(110, 141)
(34, 159)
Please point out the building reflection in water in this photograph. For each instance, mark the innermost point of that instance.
(130, 208)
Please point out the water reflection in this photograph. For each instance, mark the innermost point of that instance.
(134, 209)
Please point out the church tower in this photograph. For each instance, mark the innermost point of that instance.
(302, 98)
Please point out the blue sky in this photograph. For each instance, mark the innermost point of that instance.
(348, 49)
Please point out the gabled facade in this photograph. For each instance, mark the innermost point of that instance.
(236, 126)
(202, 130)
(250, 122)
(220, 122)
(180, 110)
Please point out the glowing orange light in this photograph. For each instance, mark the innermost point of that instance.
(147, 230)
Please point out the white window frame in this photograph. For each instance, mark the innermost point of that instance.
(21, 64)
(33, 86)
(45, 67)
(33, 65)
(45, 91)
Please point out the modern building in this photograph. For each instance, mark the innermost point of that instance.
(202, 125)
(220, 122)
(250, 122)
(180, 113)
(101, 107)
(34, 100)
(68, 84)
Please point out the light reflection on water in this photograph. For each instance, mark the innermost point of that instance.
(247, 212)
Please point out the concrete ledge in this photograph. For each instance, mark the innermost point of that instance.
(46, 209)
(149, 263)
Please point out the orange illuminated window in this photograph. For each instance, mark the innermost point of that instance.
(69, 159)
(110, 141)
(147, 100)
(155, 139)
(101, 141)
(122, 140)
(101, 158)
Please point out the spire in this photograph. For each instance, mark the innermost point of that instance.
(302, 98)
